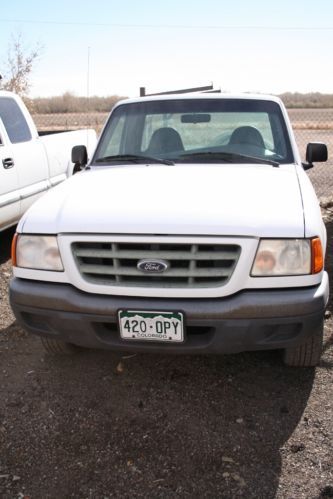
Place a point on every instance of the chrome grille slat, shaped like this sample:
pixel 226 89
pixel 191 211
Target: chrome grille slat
pixel 103 269
pixel 168 255
pixel 190 265
pixel 193 263
pixel 116 261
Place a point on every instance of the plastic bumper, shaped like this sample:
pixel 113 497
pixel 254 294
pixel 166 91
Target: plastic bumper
pixel 250 320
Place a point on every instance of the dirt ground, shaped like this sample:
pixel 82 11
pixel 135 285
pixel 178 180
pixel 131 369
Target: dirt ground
pixel 101 426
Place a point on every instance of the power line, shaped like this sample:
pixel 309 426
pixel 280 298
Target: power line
pixel 171 26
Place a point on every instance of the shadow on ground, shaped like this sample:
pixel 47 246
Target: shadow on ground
pixel 152 425
pixel 5 244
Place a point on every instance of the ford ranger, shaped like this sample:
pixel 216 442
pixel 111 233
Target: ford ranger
pixel 193 229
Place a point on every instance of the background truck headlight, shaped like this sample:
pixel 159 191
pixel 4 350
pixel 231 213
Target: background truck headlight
pixel 284 257
pixel 36 252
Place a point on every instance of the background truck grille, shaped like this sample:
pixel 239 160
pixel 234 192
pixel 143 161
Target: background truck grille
pixel 190 265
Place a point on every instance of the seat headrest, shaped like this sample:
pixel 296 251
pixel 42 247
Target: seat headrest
pixel 165 139
pixel 247 135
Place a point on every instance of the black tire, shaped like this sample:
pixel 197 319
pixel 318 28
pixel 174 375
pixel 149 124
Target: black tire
pixel 308 353
pixel 58 347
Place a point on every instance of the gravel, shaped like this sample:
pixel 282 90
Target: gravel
pixel 100 425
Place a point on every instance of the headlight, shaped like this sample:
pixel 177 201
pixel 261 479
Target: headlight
pixel 284 257
pixel 36 252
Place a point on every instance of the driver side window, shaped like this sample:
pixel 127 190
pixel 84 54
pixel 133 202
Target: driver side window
pixel 14 121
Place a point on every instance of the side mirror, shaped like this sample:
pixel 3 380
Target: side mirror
pixel 79 158
pixel 316 152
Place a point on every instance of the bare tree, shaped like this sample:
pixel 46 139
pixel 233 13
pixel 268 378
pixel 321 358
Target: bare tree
pixel 18 66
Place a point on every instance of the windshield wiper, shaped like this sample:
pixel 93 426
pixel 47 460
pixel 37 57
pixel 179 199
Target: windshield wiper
pixel 132 158
pixel 228 157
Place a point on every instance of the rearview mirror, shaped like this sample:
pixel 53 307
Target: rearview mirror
pixel 196 118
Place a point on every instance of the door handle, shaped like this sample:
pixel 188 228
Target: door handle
pixel 8 163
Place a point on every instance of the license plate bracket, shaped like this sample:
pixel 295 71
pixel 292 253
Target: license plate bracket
pixel 143 325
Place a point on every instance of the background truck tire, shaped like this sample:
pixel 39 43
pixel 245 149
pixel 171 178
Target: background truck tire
pixel 306 354
pixel 58 347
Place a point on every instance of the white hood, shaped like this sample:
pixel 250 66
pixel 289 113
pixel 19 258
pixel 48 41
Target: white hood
pixel 231 200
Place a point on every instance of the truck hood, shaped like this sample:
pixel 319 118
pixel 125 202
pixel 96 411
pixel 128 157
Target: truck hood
pixel 236 200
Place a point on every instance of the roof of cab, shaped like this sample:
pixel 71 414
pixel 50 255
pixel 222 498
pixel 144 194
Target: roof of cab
pixel 197 95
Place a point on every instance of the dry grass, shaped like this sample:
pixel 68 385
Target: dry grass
pixel 70 121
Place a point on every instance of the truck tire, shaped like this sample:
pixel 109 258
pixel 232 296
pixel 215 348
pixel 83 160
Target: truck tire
pixel 308 353
pixel 58 347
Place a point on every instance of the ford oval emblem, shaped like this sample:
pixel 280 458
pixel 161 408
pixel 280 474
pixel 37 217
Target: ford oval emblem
pixel 153 266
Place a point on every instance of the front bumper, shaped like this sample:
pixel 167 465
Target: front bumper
pixel 250 320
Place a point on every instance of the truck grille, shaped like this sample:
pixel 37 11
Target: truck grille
pixel 189 265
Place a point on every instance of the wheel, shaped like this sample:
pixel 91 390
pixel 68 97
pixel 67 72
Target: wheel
pixel 58 347
pixel 308 353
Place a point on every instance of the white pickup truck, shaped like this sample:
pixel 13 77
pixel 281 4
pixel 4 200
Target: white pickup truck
pixel 30 164
pixel 193 229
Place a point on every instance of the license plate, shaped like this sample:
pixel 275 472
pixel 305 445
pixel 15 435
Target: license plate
pixel 151 326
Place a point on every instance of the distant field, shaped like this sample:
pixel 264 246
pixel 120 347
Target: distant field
pixel 315 125
pixel 311 118
pixel 310 125
pixel 70 121
pixel 302 119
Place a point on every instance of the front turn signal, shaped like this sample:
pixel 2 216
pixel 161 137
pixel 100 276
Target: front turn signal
pixel 13 249
pixel 317 257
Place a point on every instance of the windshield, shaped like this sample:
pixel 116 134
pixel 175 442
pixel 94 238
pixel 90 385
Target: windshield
pixel 196 131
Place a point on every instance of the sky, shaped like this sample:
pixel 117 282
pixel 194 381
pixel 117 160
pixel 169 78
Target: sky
pixel 108 47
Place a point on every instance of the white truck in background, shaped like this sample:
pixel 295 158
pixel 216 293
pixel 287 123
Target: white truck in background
pixel 31 164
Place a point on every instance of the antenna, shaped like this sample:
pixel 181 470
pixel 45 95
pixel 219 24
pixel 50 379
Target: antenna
pixel 88 73
pixel 88 92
